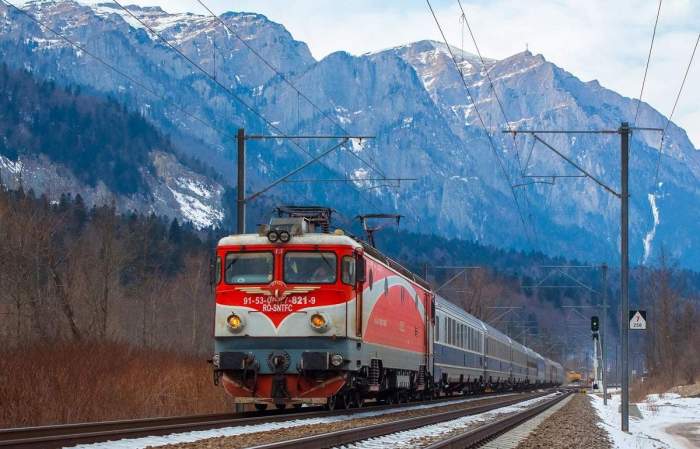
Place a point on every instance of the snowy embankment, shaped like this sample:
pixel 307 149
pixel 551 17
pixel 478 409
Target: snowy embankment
pixel 410 439
pixel 186 437
pixel 668 421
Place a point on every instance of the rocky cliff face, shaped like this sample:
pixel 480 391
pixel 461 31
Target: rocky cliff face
pixel 412 99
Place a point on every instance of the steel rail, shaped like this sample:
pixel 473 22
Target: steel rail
pixel 54 436
pixel 480 435
pixel 348 436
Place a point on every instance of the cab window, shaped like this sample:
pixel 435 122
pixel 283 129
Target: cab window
pixel 217 274
pixel 249 268
pixel 310 267
pixel 347 270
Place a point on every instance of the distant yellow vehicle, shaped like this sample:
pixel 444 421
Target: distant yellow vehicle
pixel 573 376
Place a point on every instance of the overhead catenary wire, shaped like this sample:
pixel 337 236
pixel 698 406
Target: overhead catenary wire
pixel 673 110
pixel 238 98
pixel 483 64
pixel 465 21
pixel 209 75
pixel 272 67
pixel 483 124
pixel 646 68
pixel 227 135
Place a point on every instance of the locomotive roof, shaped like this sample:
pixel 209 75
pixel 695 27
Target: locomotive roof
pixel 306 239
pixel 458 311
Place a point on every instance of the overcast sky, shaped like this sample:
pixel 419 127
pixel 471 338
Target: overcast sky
pixel 593 39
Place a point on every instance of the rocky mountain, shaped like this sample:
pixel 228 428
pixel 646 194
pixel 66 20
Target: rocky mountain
pixel 412 99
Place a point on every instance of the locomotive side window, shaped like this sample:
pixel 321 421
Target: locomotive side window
pixel 347 271
pixel 310 267
pixel 249 268
pixel 217 274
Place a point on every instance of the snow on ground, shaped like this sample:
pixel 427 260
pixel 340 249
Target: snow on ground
pixel 406 439
pixel 652 233
pixel 652 431
pixel 186 437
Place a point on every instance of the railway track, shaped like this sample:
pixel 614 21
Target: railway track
pixel 71 434
pixel 462 441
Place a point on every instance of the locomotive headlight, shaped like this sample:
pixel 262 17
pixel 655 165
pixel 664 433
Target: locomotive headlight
pixel 285 236
pixel 337 359
pixel 235 322
pixel 318 322
pixel 273 236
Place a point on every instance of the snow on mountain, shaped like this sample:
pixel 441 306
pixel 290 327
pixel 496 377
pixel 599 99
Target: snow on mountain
pixel 413 100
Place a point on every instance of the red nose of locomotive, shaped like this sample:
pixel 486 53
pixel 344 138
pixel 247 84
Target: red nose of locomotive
pixel 282 322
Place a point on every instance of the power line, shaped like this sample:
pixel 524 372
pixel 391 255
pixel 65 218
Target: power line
pixel 76 45
pixel 483 63
pixel 288 82
pixel 673 110
pixel 646 69
pixel 222 86
pixel 225 134
pixel 207 74
pixel 483 124
pixel 505 117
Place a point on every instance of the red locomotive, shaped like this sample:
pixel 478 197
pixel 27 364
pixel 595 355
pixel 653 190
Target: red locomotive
pixel 308 316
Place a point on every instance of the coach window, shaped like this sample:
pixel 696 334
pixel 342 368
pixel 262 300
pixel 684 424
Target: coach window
pixel 348 270
pixel 437 329
pixel 309 267
pixel 249 268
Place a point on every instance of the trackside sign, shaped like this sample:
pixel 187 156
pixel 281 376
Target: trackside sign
pixel 638 319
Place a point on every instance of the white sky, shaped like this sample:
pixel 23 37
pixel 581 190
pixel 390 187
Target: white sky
pixel 593 39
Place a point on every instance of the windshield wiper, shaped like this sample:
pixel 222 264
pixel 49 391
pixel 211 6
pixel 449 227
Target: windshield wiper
pixel 326 260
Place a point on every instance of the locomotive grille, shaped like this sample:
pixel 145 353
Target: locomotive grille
pixel 314 361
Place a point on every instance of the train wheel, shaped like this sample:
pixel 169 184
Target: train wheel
pixel 345 400
pixel 261 407
pixel 395 397
pixel 359 400
pixel 298 406
pixel 281 406
pixel 331 402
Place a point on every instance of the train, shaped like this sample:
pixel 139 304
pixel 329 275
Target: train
pixel 309 316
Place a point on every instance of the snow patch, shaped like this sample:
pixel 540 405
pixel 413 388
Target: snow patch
pixel 196 211
pixel 13 167
pixel 659 412
pixel 196 187
pixel 649 237
pixel 358 176
pixel 358 145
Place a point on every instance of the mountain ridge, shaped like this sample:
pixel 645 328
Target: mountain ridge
pixel 412 99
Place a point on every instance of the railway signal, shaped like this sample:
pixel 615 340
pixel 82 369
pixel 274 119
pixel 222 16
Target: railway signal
pixel 595 324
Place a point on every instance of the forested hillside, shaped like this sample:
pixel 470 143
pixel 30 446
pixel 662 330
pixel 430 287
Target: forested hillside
pixel 61 140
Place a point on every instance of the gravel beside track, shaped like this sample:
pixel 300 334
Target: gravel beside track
pixel 574 426
pixel 289 433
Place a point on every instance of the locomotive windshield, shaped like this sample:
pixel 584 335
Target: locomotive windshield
pixel 309 267
pixel 249 268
